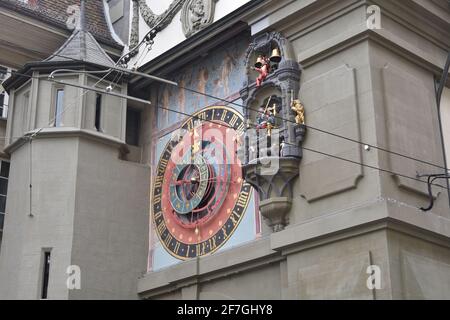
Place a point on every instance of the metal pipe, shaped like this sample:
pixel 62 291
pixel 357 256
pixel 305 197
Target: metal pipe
pixel 101 91
pixel 443 81
pixel 439 92
pixel 137 73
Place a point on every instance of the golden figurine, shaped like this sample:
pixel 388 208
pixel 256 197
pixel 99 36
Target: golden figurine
pixel 249 123
pixel 196 147
pixel 269 129
pixel 299 109
pixel 196 141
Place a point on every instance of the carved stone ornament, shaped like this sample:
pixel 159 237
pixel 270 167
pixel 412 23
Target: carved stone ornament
pixel 196 15
pixel 275 191
pixel 162 20
pixel 271 155
pixel 134 38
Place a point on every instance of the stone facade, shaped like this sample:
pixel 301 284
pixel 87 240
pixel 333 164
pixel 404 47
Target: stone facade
pixel 367 82
pixel 369 85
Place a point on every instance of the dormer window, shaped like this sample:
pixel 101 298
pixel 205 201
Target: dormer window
pixel 98 112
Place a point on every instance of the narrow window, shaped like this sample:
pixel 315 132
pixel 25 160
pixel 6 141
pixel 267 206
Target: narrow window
pixel 2 208
pixel 26 103
pixel 98 112
pixel 2 220
pixel 3 72
pixel 4 175
pixel 2 103
pixel 133 126
pixel 45 274
pixel 4 171
pixel 59 107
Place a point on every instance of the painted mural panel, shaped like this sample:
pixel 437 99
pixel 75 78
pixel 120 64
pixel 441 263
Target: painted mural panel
pixel 219 74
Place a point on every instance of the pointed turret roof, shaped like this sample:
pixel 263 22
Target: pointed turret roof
pixel 82 46
pixel 81 49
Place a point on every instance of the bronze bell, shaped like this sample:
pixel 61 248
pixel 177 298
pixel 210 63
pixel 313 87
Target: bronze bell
pixel 259 62
pixel 276 56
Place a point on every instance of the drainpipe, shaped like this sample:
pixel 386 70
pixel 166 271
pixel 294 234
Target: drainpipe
pixel 439 92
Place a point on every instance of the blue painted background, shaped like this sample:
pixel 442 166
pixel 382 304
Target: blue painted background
pixel 221 73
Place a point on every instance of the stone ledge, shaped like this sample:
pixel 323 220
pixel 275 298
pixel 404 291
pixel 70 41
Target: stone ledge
pixel 330 224
pixel 378 214
pixel 232 261
pixel 64 132
pixel 375 215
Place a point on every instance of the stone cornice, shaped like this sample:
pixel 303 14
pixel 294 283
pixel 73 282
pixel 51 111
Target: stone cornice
pixel 239 259
pixel 200 42
pixel 373 216
pixel 67 132
pixel 425 18
pixel 421 17
pixel 306 17
pixel 428 26
pixel 431 62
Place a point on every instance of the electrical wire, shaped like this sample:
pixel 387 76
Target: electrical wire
pixel 129 55
pixel 304 148
pixel 306 126
pixel 308 149
pixel 287 120
pixel 322 131
pixel 371 167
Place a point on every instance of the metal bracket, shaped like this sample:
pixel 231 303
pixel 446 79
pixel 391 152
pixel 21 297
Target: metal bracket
pixel 430 180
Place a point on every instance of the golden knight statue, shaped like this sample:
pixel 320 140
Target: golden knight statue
pixel 299 109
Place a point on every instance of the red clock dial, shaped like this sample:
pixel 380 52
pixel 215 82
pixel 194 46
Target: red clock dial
pixel 199 195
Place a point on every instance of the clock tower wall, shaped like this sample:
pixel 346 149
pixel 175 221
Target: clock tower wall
pixel 353 208
pixel 110 226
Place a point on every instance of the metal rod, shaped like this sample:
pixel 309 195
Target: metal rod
pixel 439 92
pixel 430 180
pixel 443 81
pixel 31 178
pixel 102 91
pixel 136 73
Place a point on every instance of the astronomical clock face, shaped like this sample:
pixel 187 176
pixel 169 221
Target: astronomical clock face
pixel 199 195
